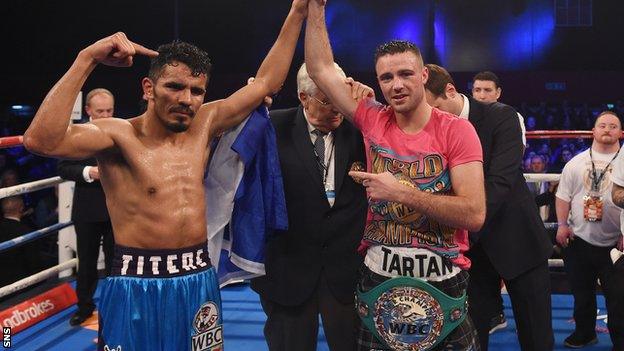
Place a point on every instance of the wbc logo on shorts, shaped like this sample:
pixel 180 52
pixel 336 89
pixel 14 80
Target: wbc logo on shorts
pixel 206 317
pixel 209 333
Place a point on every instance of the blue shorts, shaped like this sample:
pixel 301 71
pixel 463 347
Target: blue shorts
pixel 161 300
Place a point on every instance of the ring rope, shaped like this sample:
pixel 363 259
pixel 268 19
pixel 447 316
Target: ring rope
pixel 37 277
pixel 560 134
pixel 29 187
pixel 555 262
pixel 546 177
pixel 11 141
pixel 542 177
pixel 37 234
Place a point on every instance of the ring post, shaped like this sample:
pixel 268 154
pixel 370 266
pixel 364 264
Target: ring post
pixel 67 236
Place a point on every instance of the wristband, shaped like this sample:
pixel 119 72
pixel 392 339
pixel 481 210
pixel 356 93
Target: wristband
pixel 86 176
pixel 562 224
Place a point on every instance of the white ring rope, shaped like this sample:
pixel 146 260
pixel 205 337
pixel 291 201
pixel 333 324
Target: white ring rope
pixel 49 182
pixel 37 234
pixel 29 187
pixel 541 177
pixel 555 262
pixel 37 277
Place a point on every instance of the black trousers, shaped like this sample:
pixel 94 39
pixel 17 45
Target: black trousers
pixel 88 238
pixel 530 300
pixel 584 263
pixel 290 328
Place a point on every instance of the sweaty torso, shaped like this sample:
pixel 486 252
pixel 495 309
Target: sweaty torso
pixel 154 187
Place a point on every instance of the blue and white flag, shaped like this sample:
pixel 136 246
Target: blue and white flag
pixel 244 198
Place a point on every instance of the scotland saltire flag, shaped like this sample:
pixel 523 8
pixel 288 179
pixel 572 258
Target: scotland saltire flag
pixel 244 198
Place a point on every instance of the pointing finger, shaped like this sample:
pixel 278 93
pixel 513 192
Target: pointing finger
pixel 123 45
pixel 142 50
pixel 361 175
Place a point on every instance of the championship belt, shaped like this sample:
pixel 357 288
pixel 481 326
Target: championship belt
pixel 409 313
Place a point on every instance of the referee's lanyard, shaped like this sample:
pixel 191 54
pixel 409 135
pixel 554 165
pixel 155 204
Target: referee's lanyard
pixel 330 193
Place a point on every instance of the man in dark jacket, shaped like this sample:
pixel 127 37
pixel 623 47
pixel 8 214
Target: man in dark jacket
pixel 89 213
pixel 311 268
pixel 512 244
pixel 17 262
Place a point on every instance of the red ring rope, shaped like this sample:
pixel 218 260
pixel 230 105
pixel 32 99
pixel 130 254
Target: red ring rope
pixel 11 141
pixel 534 134
pixel 560 134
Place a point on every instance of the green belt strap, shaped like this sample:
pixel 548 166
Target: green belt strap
pixel 409 313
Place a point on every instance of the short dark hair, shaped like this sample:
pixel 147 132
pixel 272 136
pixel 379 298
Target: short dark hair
pixel 607 112
pixel 11 205
pixel 438 79
pixel 487 75
pixel 396 47
pixel 180 52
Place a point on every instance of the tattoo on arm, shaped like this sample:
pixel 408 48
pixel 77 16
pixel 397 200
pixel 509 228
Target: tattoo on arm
pixel 617 195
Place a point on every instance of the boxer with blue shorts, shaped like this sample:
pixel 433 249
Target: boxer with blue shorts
pixel 161 300
pixel 163 293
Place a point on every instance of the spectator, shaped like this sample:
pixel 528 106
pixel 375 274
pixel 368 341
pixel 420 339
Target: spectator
pixel 22 260
pixel 9 177
pixel 531 123
pixel 589 227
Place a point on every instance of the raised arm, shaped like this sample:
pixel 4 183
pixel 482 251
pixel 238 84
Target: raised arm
pixel 50 132
pixel 320 61
pixel 464 209
pixel 230 112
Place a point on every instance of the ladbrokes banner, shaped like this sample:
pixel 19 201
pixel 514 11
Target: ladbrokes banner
pixel 38 308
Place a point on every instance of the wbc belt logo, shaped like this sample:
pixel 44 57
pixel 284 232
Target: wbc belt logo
pixel 408 318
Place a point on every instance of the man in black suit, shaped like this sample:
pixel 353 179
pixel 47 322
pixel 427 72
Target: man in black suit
pixel 89 213
pixel 512 244
pixel 486 88
pixel 18 262
pixel 311 268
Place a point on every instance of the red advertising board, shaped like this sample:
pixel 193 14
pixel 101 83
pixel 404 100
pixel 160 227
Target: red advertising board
pixel 38 308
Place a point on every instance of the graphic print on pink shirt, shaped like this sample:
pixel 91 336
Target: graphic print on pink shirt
pixel 395 224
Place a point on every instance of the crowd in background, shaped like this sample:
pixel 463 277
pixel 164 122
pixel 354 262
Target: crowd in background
pixel 555 153
pixel 27 212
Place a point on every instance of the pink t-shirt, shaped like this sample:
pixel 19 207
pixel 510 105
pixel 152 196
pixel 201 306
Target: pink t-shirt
pixel 424 160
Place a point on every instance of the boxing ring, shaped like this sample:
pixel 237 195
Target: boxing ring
pixel 243 315
pixel 63 266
